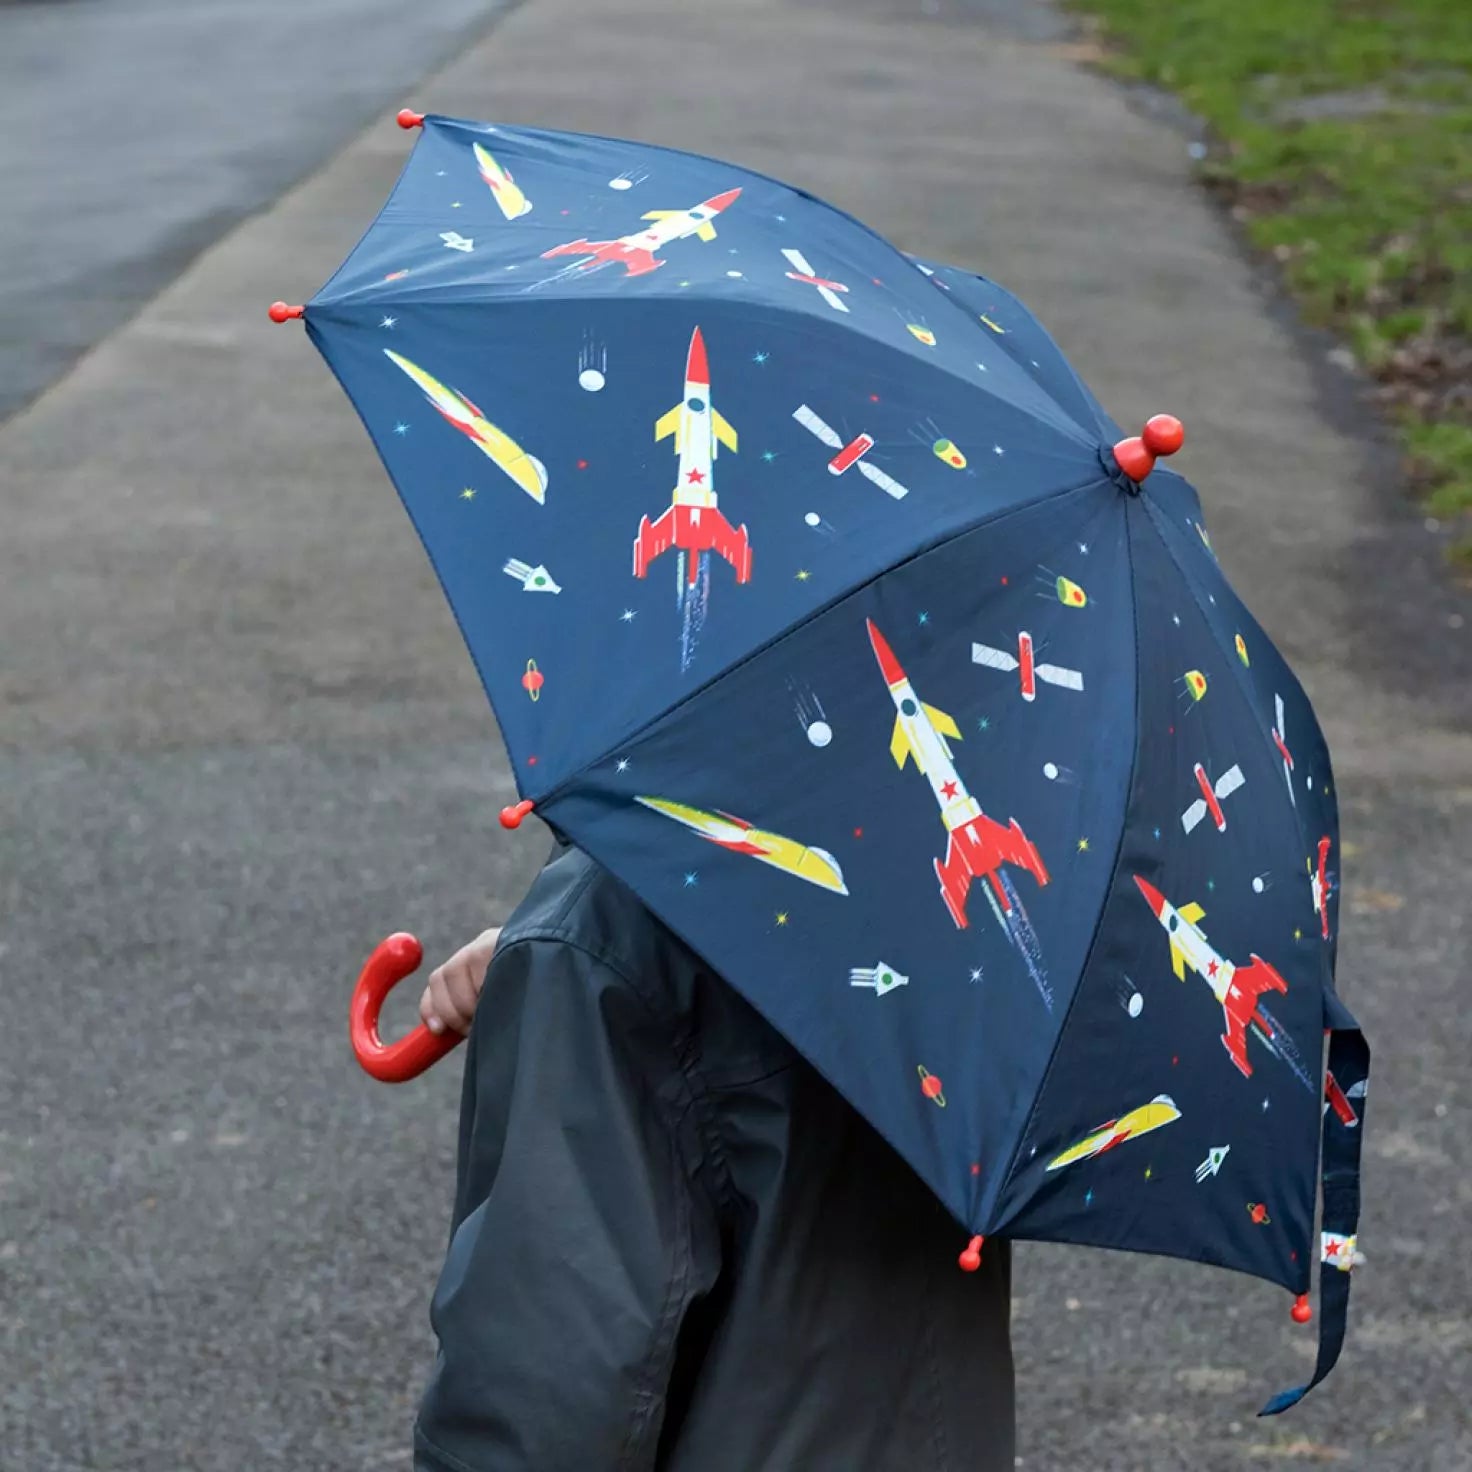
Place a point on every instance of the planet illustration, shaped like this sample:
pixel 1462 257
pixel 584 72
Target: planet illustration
pixel 931 1087
pixel 533 680
pixel 1259 1214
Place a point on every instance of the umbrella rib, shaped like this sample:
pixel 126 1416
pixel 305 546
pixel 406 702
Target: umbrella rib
pixel 1042 1087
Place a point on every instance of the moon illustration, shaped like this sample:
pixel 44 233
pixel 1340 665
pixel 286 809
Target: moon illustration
pixel 812 518
pixel 820 733
pixel 1136 1005
pixel 591 379
pixel 620 183
pixel 1050 770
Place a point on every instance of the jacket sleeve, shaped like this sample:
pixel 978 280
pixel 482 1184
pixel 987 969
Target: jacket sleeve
pixel 581 1234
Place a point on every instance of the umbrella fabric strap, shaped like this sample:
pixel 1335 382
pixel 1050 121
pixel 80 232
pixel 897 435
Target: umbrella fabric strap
pixel 1349 1062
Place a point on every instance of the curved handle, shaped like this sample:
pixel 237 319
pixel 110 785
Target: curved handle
pixel 392 1063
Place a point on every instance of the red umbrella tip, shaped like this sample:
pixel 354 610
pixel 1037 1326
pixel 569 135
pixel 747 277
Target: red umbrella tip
pixel 280 312
pixel 1302 1313
pixel 511 816
pixel 970 1260
pixel 408 118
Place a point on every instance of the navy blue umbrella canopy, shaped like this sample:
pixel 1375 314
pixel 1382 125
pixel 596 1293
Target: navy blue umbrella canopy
pixel 820 601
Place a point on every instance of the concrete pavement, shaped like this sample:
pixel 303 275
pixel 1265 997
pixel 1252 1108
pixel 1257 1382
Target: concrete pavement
pixel 139 131
pixel 240 739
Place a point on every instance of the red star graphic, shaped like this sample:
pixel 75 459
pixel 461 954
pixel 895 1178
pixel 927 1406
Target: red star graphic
pixel 531 761
pixel 695 477
pixel 1004 582
pixel 858 832
pixel 582 464
pixel 1211 968
pixel 873 398
pixel 949 790
pixel 1331 1249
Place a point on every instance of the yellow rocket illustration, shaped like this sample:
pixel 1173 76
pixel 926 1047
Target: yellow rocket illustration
pixel 1159 1111
pixel 503 187
pixel 526 470
pixel 813 864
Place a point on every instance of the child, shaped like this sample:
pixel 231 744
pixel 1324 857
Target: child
pixel 675 1247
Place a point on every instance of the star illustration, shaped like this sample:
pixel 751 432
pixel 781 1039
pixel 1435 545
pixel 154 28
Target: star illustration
pixel 998 450
pixel 780 219
pixel 761 357
pixel 1083 547
pixel 388 321
pixel 769 456
pixel 683 283
pixel 695 477
pixel 621 765
pixel 439 173
pixel 984 724
pixel 1089 1197
pixel 949 790
pixel 1157 833
pixel 1083 845
pixel 983 367
pixel 858 832
pixel 1175 618
pixel 1265 1106
pixel 924 619
pixel 781 917
pixel 468 494
pixel 692 879
pixel 455 205
pixel 803 574
pixel 627 616
pixel 1210 885
pixel 1149 1171
pixel 1297 934
pixel 401 428
pixel 976 973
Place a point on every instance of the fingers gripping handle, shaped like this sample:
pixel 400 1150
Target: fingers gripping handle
pixel 392 1063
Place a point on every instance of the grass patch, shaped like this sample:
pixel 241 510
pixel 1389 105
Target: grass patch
pixel 1342 138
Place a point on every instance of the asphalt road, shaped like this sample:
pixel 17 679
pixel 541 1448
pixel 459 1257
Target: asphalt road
pixel 240 740
pixel 135 132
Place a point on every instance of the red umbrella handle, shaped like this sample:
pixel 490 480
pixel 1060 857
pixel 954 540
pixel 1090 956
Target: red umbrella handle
pixel 392 1063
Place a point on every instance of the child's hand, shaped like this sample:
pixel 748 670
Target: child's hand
pixel 454 988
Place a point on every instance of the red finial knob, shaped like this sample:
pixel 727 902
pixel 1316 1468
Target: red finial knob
pixel 970 1260
pixel 511 816
pixel 1162 435
pixel 408 118
pixel 280 312
pixel 1302 1313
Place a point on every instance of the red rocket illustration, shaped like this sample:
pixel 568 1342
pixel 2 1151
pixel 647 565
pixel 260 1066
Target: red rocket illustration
pixel 978 846
pixel 637 251
pixel 692 522
pixel 1237 988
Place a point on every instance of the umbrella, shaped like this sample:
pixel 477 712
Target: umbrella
pixel 820 601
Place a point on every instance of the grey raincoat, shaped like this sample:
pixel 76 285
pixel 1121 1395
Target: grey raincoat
pixel 675 1247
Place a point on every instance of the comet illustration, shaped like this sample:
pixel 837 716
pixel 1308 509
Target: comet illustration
pixel 525 470
pixel 813 864
pixel 1161 1110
